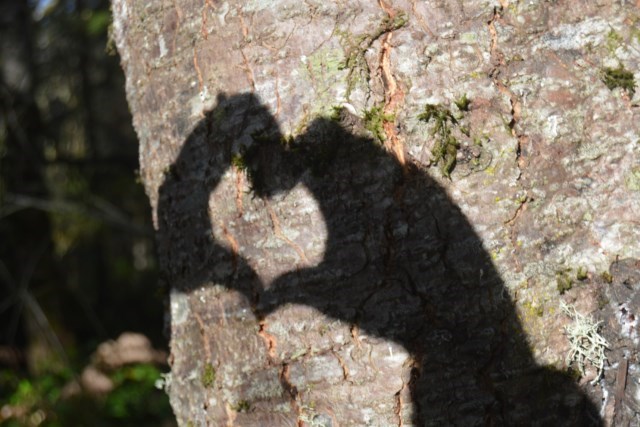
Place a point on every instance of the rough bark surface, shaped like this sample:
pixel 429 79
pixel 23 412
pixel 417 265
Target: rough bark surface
pixel 326 270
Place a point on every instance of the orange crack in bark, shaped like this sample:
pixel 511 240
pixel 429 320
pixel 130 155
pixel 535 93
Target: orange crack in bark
pixel 239 185
pixel 292 390
pixel 516 113
pixel 198 71
pixel 231 414
pixel 248 71
pixel 246 67
pixel 278 101
pixel 234 246
pixel 207 353
pixel 519 210
pixel 400 404
pixel 355 334
pixel 345 370
pixel 394 95
pixel 179 13
pixel 269 340
pixel 420 19
pixel 280 235
pixel 205 342
pixel 203 28
pixel 493 34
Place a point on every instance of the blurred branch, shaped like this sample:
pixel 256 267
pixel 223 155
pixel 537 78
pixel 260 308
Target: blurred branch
pixel 102 210
pixel 22 297
pixel 124 161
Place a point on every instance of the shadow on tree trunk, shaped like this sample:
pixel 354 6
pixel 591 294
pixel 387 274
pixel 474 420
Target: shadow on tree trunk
pixel 401 262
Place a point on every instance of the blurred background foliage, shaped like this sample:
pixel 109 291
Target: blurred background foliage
pixel 77 263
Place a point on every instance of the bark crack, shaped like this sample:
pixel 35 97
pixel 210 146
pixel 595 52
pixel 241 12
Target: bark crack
pixel 198 71
pixel 400 404
pixel 498 61
pixel 234 246
pixel 269 340
pixel 231 414
pixel 420 19
pixel 394 95
pixel 207 359
pixel 239 186
pixel 280 235
pixel 292 390
pixel 205 8
pixel 246 67
pixel 345 369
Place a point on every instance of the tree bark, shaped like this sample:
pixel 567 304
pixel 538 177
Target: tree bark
pixel 368 213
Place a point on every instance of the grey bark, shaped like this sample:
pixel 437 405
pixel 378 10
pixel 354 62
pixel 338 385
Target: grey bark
pixel 324 270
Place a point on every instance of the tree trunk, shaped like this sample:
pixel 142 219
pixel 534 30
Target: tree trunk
pixel 369 213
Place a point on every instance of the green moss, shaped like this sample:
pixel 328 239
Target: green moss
pixel 552 373
pixel 208 377
pixel 614 40
pixel 374 120
pixel 619 78
pixel 463 103
pixel 287 141
pixel 336 113
pixel 241 406
pixel 603 301
pixel 218 116
pixel 607 277
pixel 398 21
pixel 582 274
pixel 532 309
pixel 238 160
pixel 515 58
pixel 446 146
pixel 635 30
pixel 563 282
pixel 171 172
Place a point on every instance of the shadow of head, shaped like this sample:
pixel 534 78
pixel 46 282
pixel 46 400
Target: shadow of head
pixel 401 263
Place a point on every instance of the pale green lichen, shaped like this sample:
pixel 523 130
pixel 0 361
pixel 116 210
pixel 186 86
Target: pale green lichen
pixel 587 345
pixel 532 310
pixel 324 69
pixel 632 180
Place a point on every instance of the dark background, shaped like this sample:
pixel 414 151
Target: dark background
pixel 77 256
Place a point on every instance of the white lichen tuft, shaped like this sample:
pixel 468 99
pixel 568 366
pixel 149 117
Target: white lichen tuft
pixel 587 345
pixel 164 382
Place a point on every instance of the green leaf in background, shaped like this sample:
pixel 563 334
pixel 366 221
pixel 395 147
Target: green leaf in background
pixel 97 22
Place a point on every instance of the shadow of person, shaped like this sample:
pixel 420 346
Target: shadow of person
pixel 188 252
pixel 401 263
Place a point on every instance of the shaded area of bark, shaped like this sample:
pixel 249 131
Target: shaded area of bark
pixel 401 263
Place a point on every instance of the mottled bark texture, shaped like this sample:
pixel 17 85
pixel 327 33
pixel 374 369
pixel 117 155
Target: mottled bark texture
pixel 369 212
